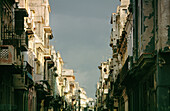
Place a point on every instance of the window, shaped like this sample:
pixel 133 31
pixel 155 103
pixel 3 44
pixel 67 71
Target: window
pixel 125 11
pixel 105 70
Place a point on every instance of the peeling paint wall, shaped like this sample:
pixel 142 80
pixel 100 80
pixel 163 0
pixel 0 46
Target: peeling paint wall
pixel 146 27
pixel 0 21
pixel 149 85
pixel 164 25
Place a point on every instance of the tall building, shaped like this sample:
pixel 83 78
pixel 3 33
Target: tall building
pixel 27 61
pixel 16 74
pixel 103 86
pixel 138 70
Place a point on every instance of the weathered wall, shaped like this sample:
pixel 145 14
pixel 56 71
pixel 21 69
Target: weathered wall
pixel 163 83
pixel 0 21
pixel 146 29
pixel 164 25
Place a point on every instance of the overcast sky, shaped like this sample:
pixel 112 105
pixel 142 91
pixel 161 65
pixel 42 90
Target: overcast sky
pixel 81 30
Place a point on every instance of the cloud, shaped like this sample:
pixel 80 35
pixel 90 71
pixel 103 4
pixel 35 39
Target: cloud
pixel 82 42
pixel 72 31
pixel 81 32
pixel 92 8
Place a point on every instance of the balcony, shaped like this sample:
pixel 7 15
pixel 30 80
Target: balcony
pixel 47 54
pixel 106 91
pixel 43 88
pixel 29 31
pixel 23 79
pixel 7 55
pixel 9 37
pixel 66 91
pixel 144 64
pixel 19 81
pixel 50 64
pixel 47 29
pixel 29 22
pixel 106 76
pixel 73 97
pixel 20 13
pixel 24 42
pixel 30 26
pixel 7 34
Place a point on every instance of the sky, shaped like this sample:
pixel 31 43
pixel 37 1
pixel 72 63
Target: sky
pixel 81 30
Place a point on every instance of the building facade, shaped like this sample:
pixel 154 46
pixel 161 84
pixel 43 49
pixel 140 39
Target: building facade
pixel 27 61
pixel 16 74
pixel 138 72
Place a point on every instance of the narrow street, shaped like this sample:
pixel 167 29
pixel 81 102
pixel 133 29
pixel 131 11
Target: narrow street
pixel 71 55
